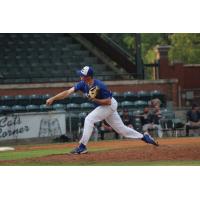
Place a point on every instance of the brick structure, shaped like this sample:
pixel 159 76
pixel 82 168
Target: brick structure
pixel 188 77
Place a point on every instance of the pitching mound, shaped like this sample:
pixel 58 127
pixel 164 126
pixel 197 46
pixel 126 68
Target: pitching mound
pixel 111 153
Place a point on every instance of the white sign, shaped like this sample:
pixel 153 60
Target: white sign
pixel 32 125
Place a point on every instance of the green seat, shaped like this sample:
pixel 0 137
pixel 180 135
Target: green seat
pixel 140 104
pixel 157 94
pixel 33 108
pixel 137 113
pixel 22 100
pixel 18 108
pixel 36 99
pixel 82 115
pixel 59 106
pixel 118 96
pixel 73 107
pixel 137 124
pixel 72 121
pixel 144 95
pixel 45 108
pixel 87 106
pixel 5 109
pixel 127 104
pixel 77 98
pixel 44 97
pixel 178 123
pixel 7 100
pixel 167 114
pixel 130 96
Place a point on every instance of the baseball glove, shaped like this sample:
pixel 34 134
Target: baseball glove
pixel 93 92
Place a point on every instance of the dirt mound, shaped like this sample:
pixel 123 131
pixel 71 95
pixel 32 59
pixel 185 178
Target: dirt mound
pixel 179 149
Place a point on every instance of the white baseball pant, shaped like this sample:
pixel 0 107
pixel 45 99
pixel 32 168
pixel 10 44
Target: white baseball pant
pixel 110 114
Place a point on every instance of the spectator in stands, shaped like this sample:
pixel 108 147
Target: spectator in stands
pixel 105 127
pixel 155 102
pixel 151 120
pixel 193 119
pixel 145 120
pixel 127 119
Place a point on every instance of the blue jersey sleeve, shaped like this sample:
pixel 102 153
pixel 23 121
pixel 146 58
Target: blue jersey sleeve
pixel 79 86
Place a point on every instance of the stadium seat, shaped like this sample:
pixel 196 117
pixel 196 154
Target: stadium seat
pixel 155 94
pixel 167 121
pixel 159 95
pixel 140 104
pixel 130 96
pixel 77 98
pixel 18 108
pixel 144 95
pixel 45 97
pixel 5 110
pixel 32 108
pixel 87 106
pixel 59 106
pixel 82 115
pixel 33 51
pixel 127 104
pixel 45 108
pixel 72 121
pixel 22 100
pixel 119 105
pixel 7 100
pixel 73 107
pixel 137 124
pixel 137 113
pixel 168 114
pixel 178 126
pixel 36 99
pixel 118 96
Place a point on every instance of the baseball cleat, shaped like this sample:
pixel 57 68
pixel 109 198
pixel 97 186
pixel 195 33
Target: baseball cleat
pixel 81 149
pixel 148 139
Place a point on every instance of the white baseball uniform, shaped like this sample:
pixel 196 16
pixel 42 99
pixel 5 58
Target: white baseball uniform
pixel 104 112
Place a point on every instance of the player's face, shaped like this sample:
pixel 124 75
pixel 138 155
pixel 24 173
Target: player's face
pixel 86 79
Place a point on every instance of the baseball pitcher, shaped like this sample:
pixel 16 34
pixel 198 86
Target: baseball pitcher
pixel 106 109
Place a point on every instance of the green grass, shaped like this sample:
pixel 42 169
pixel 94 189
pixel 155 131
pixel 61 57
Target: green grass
pixel 17 155
pixel 12 155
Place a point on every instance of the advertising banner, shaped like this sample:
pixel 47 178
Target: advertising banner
pixel 32 125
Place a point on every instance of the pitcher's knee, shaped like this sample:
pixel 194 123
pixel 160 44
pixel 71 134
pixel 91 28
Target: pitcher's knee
pixel 89 120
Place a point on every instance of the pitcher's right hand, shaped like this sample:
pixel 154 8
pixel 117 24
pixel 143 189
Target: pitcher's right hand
pixel 49 101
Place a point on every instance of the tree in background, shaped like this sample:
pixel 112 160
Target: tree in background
pixel 185 47
pixel 150 41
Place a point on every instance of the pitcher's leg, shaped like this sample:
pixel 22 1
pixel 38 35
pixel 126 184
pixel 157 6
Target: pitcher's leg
pixel 98 114
pixel 116 123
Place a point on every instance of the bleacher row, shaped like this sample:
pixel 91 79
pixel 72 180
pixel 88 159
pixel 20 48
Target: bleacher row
pixel 43 58
pixel 76 102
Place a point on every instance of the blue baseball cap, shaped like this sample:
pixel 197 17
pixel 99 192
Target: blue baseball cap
pixel 86 71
